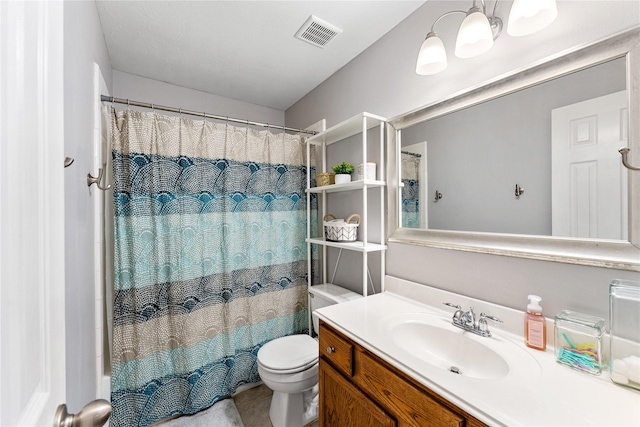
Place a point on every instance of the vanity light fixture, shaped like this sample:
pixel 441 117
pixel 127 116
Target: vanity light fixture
pixel 478 31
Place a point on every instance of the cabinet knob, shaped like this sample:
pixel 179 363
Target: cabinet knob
pixel 330 350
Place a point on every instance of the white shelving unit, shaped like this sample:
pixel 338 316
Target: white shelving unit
pixel 359 124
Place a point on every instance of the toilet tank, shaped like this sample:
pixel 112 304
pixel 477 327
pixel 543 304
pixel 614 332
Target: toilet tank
pixel 328 294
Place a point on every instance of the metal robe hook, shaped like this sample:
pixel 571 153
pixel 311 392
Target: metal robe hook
pixel 97 180
pixel 519 191
pixel 438 196
pixel 624 152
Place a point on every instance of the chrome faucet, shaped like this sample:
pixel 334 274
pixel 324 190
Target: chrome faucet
pixel 467 320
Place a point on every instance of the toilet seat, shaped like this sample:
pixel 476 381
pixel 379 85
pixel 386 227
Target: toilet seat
pixel 288 355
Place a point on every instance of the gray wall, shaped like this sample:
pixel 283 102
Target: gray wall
pixel 382 81
pixel 142 89
pixel 343 204
pixel 83 45
pixel 477 155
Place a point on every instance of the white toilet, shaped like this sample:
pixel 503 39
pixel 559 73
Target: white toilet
pixel 289 365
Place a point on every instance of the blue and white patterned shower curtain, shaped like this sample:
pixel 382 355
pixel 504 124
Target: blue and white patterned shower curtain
pixel 210 259
pixel 410 167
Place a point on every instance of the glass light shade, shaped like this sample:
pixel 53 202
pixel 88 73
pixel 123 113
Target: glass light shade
pixel 528 16
pixel 432 57
pixel 475 36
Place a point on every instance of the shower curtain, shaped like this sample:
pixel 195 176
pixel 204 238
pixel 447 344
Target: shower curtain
pixel 410 168
pixel 210 259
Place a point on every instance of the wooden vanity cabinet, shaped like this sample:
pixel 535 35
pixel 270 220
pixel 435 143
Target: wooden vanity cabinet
pixel 359 389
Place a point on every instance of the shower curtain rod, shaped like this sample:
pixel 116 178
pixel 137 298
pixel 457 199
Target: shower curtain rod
pixel 105 98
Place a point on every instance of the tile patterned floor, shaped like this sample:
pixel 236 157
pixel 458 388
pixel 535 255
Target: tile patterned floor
pixel 253 406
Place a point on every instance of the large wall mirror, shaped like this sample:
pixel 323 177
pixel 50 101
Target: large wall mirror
pixel 528 166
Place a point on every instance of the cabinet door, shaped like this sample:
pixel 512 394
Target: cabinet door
pixel 411 405
pixel 342 404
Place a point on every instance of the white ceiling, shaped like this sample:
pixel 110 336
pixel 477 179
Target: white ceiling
pixel 243 50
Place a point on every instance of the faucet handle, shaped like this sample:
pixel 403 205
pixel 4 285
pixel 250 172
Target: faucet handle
pixel 458 314
pixel 495 319
pixel 483 327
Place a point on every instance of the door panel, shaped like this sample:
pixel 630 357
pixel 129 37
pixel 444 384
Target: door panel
pixel 589 185
pixel 32 366
pixel 342 404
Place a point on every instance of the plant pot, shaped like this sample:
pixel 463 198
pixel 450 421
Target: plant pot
pixel 343 178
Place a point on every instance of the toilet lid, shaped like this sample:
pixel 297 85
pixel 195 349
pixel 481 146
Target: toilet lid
pixel 287 353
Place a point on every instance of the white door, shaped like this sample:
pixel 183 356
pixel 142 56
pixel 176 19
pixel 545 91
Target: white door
pixel 589 185
pixel 32 334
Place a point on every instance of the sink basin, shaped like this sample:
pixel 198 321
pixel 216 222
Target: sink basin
pixel 433 339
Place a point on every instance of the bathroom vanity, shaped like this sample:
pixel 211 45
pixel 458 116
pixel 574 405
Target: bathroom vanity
pixel 386 360
pixel 352 380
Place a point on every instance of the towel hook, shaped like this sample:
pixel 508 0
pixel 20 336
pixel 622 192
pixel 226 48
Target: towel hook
pixel 519 191
pixel 438 196
pixel 624 152
pixel 97 180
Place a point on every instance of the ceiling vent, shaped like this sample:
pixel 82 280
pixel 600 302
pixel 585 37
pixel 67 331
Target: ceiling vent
pixel 317 32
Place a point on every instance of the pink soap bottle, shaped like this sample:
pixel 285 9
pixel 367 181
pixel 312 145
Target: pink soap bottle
pixel 535 325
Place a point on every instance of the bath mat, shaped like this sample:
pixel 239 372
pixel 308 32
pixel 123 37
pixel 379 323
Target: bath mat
pixel 222 414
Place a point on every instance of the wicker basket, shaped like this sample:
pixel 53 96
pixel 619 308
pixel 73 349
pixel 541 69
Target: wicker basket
pixel 325 178
pixel 340 230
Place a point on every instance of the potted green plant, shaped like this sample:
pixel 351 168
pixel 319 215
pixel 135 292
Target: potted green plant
pixel 343 172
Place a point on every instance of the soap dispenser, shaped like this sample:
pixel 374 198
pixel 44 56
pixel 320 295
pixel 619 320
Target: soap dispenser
pixel 535 325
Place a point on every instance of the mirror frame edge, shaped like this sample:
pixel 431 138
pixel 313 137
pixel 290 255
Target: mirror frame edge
pixel 589 252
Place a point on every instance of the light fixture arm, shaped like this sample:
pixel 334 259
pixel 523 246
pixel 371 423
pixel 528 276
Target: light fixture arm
pixel 484 8
pixel 442 16
pixel 494 21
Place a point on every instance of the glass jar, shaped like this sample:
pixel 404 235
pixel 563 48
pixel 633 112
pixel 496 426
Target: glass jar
pixel 624 324
pixel 578 341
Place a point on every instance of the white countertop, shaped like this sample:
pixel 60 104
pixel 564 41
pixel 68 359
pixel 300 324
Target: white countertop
pixel 551 395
